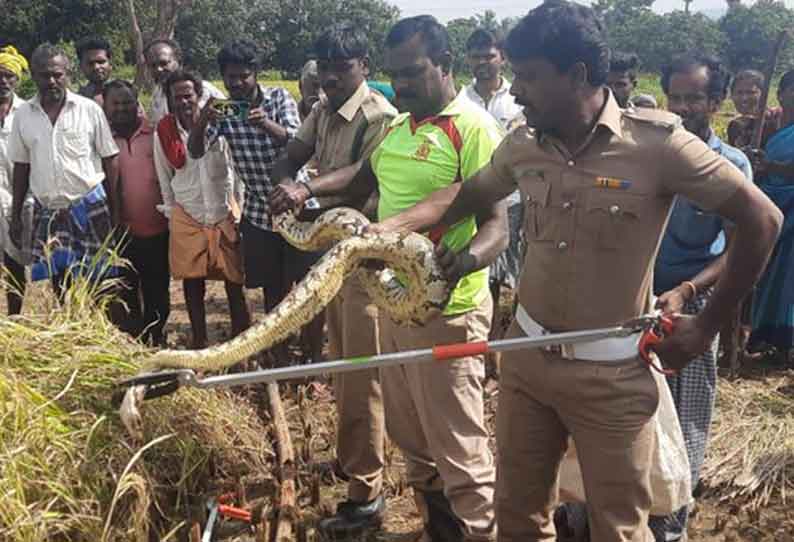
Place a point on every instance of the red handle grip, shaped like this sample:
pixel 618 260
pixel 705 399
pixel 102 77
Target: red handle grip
pixel 460 350
pixel 234 513
pixel 650 338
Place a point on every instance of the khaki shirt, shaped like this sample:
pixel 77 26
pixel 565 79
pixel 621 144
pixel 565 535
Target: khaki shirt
pixel 595 217
pixel 361 122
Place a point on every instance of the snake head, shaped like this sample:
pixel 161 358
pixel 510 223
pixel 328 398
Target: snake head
pixel 130 413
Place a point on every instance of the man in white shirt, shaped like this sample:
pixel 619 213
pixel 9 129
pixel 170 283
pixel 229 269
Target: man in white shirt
pixel 12 65
pixel 64 153
pixel 164 57
pixel 199 198
pixel 489 89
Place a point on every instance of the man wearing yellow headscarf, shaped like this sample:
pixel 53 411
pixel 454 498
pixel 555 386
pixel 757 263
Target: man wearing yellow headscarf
pixel 12 66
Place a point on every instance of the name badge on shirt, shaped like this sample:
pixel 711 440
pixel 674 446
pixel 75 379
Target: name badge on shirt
pixel 612 183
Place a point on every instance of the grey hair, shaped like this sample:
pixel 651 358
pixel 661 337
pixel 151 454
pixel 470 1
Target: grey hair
pixel 46 52
pixel 309 70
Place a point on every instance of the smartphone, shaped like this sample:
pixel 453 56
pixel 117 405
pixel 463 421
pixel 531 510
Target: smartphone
pixel 231 109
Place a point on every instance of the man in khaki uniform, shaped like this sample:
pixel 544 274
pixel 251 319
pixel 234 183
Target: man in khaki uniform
pixel 599 182
pixel 338 132
pixel 435 412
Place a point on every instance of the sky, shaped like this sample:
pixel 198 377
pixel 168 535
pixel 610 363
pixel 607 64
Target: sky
pixel 444 10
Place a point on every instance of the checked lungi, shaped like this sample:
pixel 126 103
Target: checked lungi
pixel 694 389
pixel 71 239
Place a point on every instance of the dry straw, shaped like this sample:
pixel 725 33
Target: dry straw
pixel 751 452
pixel 68 470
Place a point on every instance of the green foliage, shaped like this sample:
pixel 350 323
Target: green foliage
pixel 751 33
pixel 286 29
pixel 299 22
pixel 27 23
pixel 460 29
pixel 203 29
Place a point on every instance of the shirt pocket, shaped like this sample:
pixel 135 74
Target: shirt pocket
pixel 613 220
pixel 75 144
pixel 538 220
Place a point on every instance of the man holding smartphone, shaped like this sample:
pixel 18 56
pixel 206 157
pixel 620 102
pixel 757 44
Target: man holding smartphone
pixel 256 143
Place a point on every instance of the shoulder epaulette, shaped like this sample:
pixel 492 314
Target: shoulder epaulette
pixel 375 106
pixel 654 117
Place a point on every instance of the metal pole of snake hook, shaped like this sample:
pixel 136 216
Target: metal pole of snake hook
pixel 187 377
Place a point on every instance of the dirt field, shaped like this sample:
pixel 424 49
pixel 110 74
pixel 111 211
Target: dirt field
pixel 313 431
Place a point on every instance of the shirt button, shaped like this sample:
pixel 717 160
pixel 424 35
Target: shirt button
pixel 614 210
pixel 571 163
pixel 567 205
pixel 562 245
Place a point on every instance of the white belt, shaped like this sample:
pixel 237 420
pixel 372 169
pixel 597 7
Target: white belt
pixel 613 349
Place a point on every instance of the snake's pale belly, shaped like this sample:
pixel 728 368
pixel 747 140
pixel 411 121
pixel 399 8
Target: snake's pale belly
pixel 420 294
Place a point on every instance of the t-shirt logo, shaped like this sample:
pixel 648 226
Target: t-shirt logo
pixel 422 152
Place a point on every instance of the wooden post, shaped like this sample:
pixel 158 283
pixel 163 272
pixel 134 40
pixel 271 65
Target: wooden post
pixel 286 493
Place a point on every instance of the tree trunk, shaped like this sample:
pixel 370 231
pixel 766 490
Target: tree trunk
pixel 164 27
pixel 136 37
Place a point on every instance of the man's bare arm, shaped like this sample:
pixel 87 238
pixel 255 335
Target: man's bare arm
pixel 490 240
pixel 196 144
pixel 757 226
pixel 354 181
pixel 452 204
pixel 298 155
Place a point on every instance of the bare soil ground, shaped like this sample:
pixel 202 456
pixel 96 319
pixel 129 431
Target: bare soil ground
pixel 311 416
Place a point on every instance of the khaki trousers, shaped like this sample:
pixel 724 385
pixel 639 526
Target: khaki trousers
pixel 434 413
pixel 606 408
pixel 353 331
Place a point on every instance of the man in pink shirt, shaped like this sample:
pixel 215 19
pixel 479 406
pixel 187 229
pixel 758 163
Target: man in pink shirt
pixel 138 196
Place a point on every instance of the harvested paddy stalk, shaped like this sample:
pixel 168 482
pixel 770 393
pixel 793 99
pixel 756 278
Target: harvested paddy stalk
pixel 68 469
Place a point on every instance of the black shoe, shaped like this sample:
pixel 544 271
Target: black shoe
pixel 353 519
pixel 570 521
pixel 443 524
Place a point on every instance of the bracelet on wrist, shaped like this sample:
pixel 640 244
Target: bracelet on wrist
pixel 690 286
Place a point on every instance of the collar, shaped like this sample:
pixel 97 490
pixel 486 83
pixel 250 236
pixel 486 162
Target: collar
pixel 71 99
pixel 16 103
pixel 504 87
pixel 610 118
pixel 144 128
pixel 453 109
pixel 353 104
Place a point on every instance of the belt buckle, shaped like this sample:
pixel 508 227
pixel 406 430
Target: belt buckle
pixel 566 351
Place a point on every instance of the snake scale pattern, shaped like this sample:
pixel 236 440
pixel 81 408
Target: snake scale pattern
pixel 420 295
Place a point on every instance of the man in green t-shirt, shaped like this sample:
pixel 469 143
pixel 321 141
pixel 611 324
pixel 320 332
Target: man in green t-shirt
pixel 434 413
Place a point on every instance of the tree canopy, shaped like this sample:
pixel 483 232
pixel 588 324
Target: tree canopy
pixel 286 29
